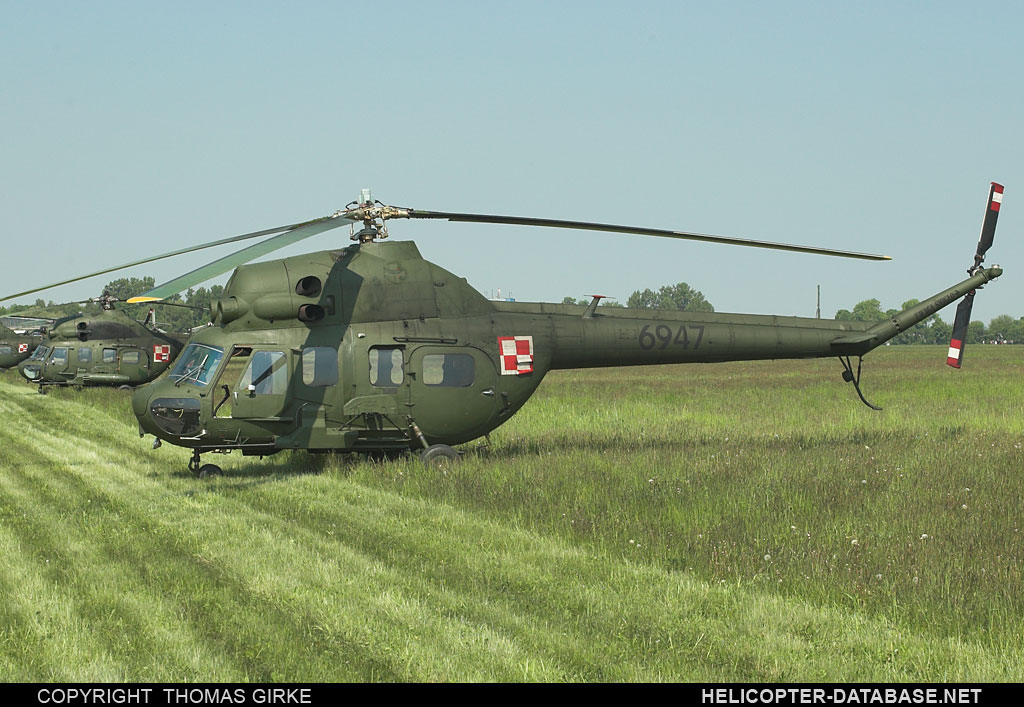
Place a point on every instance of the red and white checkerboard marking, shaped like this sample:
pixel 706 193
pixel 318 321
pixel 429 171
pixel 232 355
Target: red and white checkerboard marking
pixel 22 348
pixel 161 353
pixel 516 354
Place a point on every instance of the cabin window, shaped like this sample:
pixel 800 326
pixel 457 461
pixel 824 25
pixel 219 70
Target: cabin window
pixel 59 357
pixel 453 370
pixel 267 373
pixel 386 366
pixel 84 355
pixel 320 366
pixel 109 355
pixel 130 357
pixel 6 351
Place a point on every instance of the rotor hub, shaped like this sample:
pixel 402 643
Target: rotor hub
pixel 373 214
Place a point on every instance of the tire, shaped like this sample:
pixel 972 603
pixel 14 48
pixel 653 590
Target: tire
pixel 439 455
pixel 208 470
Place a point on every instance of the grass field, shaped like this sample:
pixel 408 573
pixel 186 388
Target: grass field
pixel 747 521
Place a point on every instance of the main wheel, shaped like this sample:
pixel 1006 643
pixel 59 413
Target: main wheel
pixel 439 455
pixel 208 470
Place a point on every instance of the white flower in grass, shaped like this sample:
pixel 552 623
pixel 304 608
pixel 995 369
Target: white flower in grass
pixel 767 557
pixel 925 536
pixel 854 542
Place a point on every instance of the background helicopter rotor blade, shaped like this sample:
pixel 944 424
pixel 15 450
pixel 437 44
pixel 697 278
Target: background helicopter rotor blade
pixel 584 225
pixel 224 241
pixel 229 262
pixel 958 339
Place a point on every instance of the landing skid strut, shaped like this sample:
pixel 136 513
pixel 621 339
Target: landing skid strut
pixel 849 377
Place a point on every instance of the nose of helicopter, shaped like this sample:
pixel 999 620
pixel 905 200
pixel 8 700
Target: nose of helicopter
pixel 31 370
pixel 166 413
pixel 140 401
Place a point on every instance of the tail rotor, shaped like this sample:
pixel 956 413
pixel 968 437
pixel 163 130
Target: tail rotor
pixel 958 342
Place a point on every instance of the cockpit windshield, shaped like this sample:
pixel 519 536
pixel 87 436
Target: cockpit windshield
pixel 40 353
pixel 197 365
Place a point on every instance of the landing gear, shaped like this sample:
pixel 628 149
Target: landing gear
pixel 849 377
pixel 203 471
pixel 439 456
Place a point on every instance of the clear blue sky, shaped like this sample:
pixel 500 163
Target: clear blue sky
pixel 131 128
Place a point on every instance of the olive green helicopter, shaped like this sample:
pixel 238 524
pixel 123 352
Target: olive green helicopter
pixel 371 348
pixel 15 347
pixel 108 348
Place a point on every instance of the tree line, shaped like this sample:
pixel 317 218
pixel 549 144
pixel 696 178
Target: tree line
pixel 679 296
pixel 933 330
pixel 1003 329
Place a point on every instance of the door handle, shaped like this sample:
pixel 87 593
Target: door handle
pixel 489 392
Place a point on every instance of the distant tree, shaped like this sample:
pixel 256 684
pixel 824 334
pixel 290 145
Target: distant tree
pixel 975 332
pixel 680 297
pixel 570 300
pixel 870 310
pixel 1005 327
pixel 939 332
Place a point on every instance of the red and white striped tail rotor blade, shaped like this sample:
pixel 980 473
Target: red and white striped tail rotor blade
pixel 988 226
pixel 958 342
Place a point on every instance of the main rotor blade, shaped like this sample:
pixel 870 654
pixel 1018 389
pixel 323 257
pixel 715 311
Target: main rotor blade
pixel 584 225
pixel 229 262
pixel 182 251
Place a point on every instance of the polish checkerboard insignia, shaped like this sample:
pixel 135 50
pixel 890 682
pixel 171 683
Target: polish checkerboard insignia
pixel 516 354
pixel 161 353
pixel 22 348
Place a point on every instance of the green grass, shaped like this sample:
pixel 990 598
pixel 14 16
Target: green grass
pixel 745 521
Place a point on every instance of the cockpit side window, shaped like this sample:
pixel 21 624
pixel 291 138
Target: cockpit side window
pixel 40 353
pixel 59 357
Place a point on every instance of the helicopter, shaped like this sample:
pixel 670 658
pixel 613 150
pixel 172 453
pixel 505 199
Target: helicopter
pixel 371 348
pixel 109 348
pixel 15 347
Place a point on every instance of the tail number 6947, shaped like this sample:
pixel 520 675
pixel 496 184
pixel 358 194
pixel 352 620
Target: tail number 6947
pixel 662 336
